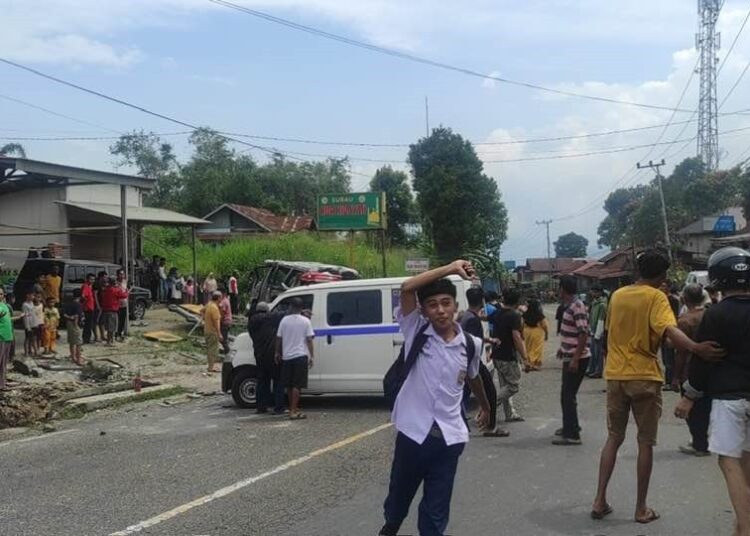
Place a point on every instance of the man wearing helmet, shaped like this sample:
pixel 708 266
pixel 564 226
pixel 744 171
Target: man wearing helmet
pixel 727 381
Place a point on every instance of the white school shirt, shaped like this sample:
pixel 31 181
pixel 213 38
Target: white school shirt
pixel 294 331
pixel 434 388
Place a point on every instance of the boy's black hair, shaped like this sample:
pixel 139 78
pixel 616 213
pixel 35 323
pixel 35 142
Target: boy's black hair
pixel 76 293
pixel 652 264
pixel 491 296
pixel 441 286
pixel 90 274
pixel 475 297
pixel 569 284
pixel 597 288
pixel 100 274
pixel 511 297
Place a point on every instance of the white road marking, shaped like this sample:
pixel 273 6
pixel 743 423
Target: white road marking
pixel 37 438
pixel 223 492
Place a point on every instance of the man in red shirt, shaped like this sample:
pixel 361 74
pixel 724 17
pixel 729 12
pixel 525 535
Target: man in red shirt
pixel 109 300
pixel 88 304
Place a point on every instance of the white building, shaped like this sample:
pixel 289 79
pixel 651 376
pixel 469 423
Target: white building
pixel 80 209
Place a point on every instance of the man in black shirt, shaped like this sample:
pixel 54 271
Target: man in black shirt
pixel 507 325
pixel 727 381
pixel 472 323
pixel 262 326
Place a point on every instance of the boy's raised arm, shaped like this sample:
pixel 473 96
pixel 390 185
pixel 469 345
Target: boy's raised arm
pixel 408 300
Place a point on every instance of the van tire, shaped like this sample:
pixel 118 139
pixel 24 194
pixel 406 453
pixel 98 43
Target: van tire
pixel 245 388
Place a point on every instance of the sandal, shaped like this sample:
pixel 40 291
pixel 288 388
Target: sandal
pixel 297 417
pixel 651 516
pixel 603 513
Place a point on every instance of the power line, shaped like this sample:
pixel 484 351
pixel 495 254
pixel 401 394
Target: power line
pixel 425 61
pixel 58 114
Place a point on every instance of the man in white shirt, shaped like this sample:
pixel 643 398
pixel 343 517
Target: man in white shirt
pixel 427 413
pixel 294 351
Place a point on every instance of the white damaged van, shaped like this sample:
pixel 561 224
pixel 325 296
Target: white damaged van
pixel 356 337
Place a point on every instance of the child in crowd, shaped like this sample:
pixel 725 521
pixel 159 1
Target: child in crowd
pixel 39 316
pixel 51 322
pixel 73 313
pixel 29 325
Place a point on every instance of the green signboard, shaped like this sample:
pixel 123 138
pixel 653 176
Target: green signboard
pixel 351 212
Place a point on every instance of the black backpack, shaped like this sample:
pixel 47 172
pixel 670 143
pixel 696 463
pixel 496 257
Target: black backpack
pixel 396 376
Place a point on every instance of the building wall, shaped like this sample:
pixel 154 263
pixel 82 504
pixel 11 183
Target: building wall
pixel 102 193
pixel 37 210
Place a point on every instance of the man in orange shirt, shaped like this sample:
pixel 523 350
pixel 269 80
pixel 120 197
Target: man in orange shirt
pixel 212 330
pixel 639 318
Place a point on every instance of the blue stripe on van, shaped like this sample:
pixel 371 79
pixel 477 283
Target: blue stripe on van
pixel 367 330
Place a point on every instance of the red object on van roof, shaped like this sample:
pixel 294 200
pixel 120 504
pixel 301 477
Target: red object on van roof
pixel 310 278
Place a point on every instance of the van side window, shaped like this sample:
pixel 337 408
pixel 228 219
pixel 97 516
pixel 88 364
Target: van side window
pixel 76 274
pixel 355 308
pixel 283 305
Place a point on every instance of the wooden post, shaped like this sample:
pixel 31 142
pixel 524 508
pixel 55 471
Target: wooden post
pixel 125 247
pixel 351 249
pixel 195 264
pixel 383 246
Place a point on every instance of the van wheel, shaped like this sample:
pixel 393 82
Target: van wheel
pixel 245 389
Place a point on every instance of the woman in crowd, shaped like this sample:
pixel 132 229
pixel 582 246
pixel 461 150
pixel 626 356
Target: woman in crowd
pixel 535 333
pixel 210 285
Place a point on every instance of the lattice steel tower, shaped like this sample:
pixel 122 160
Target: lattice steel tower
pixel 708 42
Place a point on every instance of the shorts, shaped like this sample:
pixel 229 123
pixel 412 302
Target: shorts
pixel 75 337
pixel 643 398
pixel 729 431
pixel 109 321
pixel 294 372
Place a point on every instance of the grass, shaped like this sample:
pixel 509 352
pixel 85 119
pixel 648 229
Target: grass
pixel 245 254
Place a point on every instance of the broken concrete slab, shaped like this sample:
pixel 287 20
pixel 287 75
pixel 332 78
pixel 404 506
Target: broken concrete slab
pixel 92 403
pixel 162 336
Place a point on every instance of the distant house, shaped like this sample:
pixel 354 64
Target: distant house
pixel 538 270
pixel 696 241
pixel 230 221
pixel 611 271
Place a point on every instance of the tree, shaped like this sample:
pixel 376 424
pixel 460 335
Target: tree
pixel 462 208
pixel 13 148
pixel 154 159
pixel 571 245
pixel 399 201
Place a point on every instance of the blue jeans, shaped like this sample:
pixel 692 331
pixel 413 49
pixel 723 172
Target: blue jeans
pixel 163 290
pixel 596 363
pixel 433 463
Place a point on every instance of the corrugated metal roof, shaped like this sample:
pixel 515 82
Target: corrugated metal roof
pixel 137 214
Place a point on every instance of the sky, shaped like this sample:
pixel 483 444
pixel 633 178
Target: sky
pixel 209 65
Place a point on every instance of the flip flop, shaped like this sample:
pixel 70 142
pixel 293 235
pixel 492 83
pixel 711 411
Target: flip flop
pixel 651 516
pixel 603 513
pixel 297 417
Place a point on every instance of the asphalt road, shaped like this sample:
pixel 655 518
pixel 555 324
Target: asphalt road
pixel 206 469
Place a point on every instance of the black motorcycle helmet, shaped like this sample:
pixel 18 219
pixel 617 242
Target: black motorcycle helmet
pixel 729 269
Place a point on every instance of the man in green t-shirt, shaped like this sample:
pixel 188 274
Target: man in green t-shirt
pixel 597 319
pixel 6 337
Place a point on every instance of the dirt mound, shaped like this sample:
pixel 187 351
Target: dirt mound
pixel 29 404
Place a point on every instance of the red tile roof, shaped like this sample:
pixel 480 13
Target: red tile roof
pixel 273 222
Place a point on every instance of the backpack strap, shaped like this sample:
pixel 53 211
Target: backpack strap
pixel 420 339
pixel 471 349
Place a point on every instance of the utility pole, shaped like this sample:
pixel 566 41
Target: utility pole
pixel 708 42
pixel 659 178
pixel 547 223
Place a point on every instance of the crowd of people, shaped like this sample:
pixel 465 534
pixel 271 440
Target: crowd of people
pixel 632 338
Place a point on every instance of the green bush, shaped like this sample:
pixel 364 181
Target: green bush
pixel 246 253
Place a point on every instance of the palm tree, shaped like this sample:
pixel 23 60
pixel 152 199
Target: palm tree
pixel 13 149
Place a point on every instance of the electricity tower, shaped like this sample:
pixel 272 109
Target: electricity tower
pixel 708 42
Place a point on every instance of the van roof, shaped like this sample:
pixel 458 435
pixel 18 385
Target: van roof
pixel 356 283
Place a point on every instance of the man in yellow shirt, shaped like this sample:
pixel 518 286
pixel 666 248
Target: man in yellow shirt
pixel 638 320
pixel 212 331
pixel 51 284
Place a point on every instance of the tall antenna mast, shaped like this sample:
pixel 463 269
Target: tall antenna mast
pixel 708 42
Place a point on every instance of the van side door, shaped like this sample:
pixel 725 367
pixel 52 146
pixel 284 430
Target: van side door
pixel 356 343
